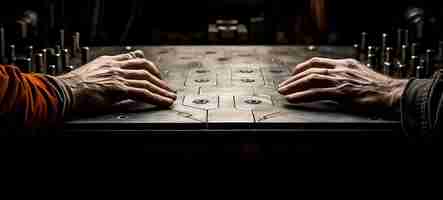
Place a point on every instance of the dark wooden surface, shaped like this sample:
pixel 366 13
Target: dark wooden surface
pixel 227 79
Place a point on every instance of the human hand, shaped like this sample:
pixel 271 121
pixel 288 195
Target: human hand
pixel 345 81
pixel 107 80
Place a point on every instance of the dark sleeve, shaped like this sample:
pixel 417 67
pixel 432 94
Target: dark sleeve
pixel 422 106
pixel 31 100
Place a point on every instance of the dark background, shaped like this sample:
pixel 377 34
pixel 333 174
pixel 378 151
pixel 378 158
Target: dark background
pixel 346 19
pixel 152 20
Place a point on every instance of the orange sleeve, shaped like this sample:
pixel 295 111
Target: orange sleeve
pixel 31 100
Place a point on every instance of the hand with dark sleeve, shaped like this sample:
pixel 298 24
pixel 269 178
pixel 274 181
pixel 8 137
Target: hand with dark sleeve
pixel 34 100
pixel 360 89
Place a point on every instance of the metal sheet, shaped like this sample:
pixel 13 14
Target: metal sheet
pixel 229 71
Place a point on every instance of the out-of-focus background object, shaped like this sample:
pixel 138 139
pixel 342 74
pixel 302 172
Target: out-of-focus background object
pixel 53 32
pixel 218 22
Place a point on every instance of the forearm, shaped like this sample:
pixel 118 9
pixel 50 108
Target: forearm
pixel 31 100
pixel 422 106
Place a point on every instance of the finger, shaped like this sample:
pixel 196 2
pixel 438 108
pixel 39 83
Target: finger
pixel 148 97
pixel 128 56
pixel 308 82
pixel 317 94
pixel 138 54
pixel 314 62
pixel 151 87
pixel 303 74
pixel 141 64
pixel 144 75
pixel 121 57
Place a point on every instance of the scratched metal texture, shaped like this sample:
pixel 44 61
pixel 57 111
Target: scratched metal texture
pixel 224 87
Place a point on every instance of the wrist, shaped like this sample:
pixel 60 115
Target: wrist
pixel 71 84
pixel 397 88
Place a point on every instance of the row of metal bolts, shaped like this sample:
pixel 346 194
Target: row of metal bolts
pixel 405 61
pixel 53 61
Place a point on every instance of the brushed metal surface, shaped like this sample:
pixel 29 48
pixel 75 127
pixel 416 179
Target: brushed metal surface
pixel 222 87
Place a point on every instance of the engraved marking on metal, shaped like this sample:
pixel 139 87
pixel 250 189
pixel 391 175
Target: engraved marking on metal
pixel 200 101
pixel 183 114
pixel 122 117
pixel 202 71
pixel 270 116
pixel 195 64
pixel 223 59
pixel 163 52
pixel 201 80
pixel 253 101
pixel 246 71
pixel 276 71
pixel 247 80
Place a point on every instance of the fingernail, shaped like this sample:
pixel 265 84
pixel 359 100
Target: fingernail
pixel 170 102
pixel 171 95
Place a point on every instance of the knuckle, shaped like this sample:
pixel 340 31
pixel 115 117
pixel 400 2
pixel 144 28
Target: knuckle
pixel 148 62
pixel 147 93
pixel 145 74
pixel 312 71
pixel 312 77
pixel 315 60
pixel 151 65
pixel 350 62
